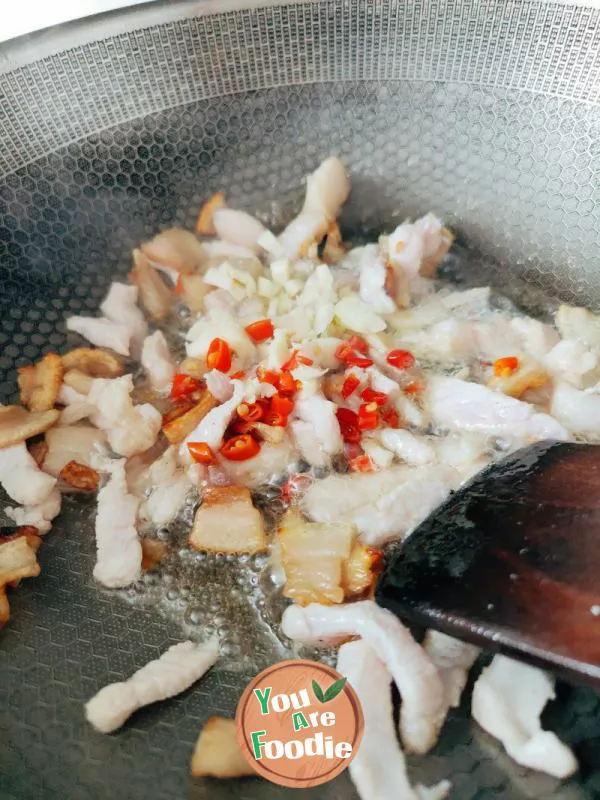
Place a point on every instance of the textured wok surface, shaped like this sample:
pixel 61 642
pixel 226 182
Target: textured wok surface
pixel 488 119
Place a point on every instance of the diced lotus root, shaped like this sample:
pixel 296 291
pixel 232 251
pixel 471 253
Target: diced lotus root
pixel 217 753
pixel 17 424
pixel 227 522
pixel 40 383
pixel 204 224
pixel 80 476
pixel 94 361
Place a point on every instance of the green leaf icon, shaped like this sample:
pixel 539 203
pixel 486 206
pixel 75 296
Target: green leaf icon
pixel 334 689
pixel 318 692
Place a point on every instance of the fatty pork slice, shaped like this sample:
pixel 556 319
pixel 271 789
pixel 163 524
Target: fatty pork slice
pixel 383 505
pixel 120 306
pixel 577 410
pixel 312 556
pixel 40 515
pixel 453 660
pixel 227 522
pixel 130 429
pixel 461 405
pixel 78 443
pixel 21 477
pixel 420 686
pixel 174 672
pixel 119 552
pixel 378 769
pixel 102 332
pixel 156 361
pixel 508 699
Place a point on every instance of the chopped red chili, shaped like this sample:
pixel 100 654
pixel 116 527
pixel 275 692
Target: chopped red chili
pixel 267 376
pixel 184 386
pixel 286 383
pixel 250 412
pixel 291 363
pixel 504 367
pixel 240 448
pixel 261 330
pixel 350 385
pixel 219 355
pixel 403 359
pixel 282 405
pixel 391 418
pixel 201 453
pixel 371 396
pixel 346 354
pixel 358 343
pixel 348 421
pixel 275 419
pixel 361 463
pixel 368 416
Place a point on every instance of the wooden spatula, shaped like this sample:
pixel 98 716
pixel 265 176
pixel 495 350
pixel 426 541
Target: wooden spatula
pixel 512 561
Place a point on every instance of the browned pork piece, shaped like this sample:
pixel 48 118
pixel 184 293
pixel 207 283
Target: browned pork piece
pixel 217 753
pixel 313 556
pixel 40 383
pixel 94 361
pixel 227 522
pixel 177 426
pixel 17 424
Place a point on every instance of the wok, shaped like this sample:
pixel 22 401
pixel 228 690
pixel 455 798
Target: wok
pixel 486 113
